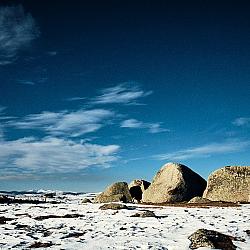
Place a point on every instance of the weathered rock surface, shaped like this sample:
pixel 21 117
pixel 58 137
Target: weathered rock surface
pixel 198 199
pixel 113 206
pixel 115 193
pixel 231 184
pixel 174 183
pixel 211 239
pixel 137 187
pixel 86 200
pixel 144 214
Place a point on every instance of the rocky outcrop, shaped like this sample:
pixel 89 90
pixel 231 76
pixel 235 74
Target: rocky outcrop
pixel 231 184
pixel 211 239
pixel 137 187
pixel 115 193
pixel 174 183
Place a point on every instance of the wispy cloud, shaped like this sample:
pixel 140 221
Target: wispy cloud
pixel 18 29
pixel 52 155
pixel 1 132
pixel 242 121
pixel 135 124
pixel 52 53
pixel 125 93
pixel 205 150
pixel 66 123
pixel 26 82
pixel 76 98
pixel 2 108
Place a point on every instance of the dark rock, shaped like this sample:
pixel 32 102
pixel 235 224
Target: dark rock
pixel 73 235
pixel 211 239
pixel 40 245
pixel 47 233
pixel 50 195
pixel 247 232
pixel 114 206
pixel 4 219
pixel 4 199
pixel 22 226
pixel 53 216
pixel 86 200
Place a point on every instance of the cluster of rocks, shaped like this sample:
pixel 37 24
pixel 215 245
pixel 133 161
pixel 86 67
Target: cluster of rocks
pixel 177 183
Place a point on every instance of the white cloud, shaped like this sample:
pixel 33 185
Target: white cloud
pixel 17 30
pixel 242 121
pixel 206 150
pixel 125 93
pixel 71 124
pixel 52 155
pixel 131 123
pixel 135 124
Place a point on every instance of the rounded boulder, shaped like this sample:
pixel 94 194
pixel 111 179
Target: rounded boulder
pixel 117 192
pixel 229 184
pixel 174 183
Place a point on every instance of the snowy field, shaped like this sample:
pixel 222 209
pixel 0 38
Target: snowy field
pixel 92 228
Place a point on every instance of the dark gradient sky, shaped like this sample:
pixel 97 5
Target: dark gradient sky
pixel 93 92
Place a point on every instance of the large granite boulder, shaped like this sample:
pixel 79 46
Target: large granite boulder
pixel 115 193
pixel 230 184
pixel 174 183
pixel 137 187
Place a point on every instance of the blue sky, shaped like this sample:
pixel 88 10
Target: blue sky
pixel 93 92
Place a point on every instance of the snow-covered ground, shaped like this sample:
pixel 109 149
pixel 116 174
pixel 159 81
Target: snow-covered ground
pixel 110 229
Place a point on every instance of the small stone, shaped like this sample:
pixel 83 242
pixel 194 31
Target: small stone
pixel 198 199
pixel 113 206
pixel 86 200
pixel 144 214
pixel 40 245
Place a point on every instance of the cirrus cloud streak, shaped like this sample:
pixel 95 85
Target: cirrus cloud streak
pixel 206 150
